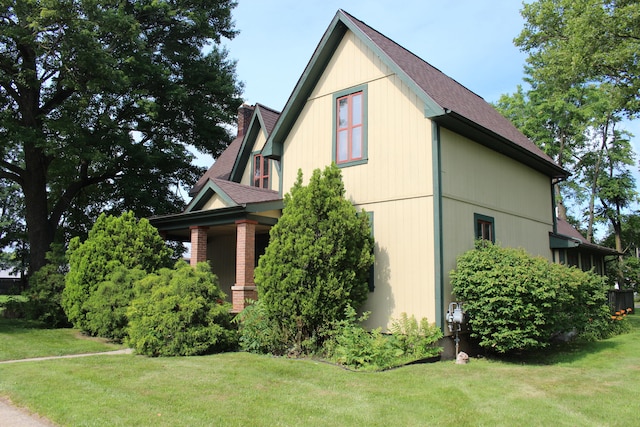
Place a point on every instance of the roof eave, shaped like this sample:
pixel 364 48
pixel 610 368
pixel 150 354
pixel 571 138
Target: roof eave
pixel 492 140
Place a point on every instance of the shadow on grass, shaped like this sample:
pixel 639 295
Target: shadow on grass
pixel 572 351
pixel 19 326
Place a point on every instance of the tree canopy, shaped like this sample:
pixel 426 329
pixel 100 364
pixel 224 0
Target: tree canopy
pixel 100 102
pixel 582 82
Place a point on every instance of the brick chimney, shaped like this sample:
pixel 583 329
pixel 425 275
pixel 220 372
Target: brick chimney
pixel 244 118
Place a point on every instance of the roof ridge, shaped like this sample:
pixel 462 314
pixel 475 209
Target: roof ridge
pixel 411 53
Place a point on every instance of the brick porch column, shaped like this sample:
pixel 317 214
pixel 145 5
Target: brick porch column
pixel 198 244
pixel 244 288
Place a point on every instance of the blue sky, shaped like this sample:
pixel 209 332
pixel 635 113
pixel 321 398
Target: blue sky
pixel 468 40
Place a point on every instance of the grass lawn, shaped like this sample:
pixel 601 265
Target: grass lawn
pixel 593 385
pixel 22 339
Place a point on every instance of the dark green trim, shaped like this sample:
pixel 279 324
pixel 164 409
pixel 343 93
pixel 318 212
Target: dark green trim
pixel 479 217
pixel 437 224
pixel 205 193
pixel 365 125
pixel 246 149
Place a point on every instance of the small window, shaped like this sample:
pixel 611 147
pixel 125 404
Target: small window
pixel 485 228
pixel 350 130
pixel 260 171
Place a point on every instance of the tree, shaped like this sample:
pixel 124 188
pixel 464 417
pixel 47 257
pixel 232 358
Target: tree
pixel 317 262
pixel 100 101
pixel 113 243
pixel 585 41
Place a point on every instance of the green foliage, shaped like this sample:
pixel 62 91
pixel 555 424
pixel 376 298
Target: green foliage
pixel 518 302
pixel 180 312
pixel 417 340
pixel 100 102
pixel 257 334
pixel 585 41
pixel 351 345
pixel 107 305
pixel 113 243
pixel 317 262
pixel 44 295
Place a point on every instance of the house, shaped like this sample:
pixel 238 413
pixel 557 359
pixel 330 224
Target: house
pixel 434 165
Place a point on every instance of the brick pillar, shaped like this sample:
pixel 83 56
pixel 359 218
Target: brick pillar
pixel 198 244
pixel 244 288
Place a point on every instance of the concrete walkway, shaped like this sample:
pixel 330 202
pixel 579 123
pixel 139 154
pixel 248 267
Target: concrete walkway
pixel 12 416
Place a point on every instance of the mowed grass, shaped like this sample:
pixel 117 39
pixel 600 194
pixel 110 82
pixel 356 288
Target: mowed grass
pixel 592 385
pixel 23 339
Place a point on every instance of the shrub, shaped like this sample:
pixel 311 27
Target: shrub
pixel 317 262
pixel 44 294
pixel 113 242
pixel 349 344
pixel 180 312
pixel 518 302
pixel 256 333
pixel 107 305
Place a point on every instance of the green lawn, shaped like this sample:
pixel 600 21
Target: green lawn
pixel 21 339
pixel 595 385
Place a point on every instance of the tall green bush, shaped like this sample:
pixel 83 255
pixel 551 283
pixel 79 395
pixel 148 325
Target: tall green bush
pixel 317 262
pixel 518 302
pixel 113 242
pixel 107 305
pixel 44 294
pixel 180 312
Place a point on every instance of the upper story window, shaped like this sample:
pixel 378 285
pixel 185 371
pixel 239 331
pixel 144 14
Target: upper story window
pixel 485 227
pixel 350 136
pixel 260 171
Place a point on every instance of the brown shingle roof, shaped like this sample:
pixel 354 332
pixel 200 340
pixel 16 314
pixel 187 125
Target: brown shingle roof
pixel 221 168
pixel 446 92
pixel 244 194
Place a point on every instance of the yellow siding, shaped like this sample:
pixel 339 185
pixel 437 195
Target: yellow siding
pixel 478 180
pixel 215 202
pixel 395 183
pixel 399 137
pixel 404 264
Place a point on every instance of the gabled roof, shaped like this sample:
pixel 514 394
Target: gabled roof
pixel 232 194
pixel 446 101
pixel 263 119
pixel 221 168
pixel 223 165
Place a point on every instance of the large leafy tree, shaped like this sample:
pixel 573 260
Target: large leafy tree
pixel 575 103
pixel 585 41
pixel 100 102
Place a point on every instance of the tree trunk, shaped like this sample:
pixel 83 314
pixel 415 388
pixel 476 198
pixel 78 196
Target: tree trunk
pixel 40 231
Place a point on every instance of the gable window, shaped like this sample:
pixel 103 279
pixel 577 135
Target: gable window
pixel 350 145
pixel 484 227
pixel 260 171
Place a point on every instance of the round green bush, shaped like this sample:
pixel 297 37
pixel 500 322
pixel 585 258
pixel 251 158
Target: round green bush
pixel 113 242
pixel 180 312
pixel 518 302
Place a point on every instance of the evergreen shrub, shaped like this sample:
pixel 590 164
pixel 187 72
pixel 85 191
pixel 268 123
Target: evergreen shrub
pixel 316 264
pixel 113 243
pixel 180 312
